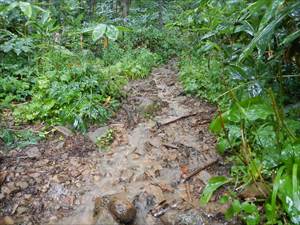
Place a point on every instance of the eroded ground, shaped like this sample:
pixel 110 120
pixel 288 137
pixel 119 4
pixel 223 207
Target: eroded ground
pixel 160 137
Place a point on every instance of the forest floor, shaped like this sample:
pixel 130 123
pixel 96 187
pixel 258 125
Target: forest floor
pixel 158 139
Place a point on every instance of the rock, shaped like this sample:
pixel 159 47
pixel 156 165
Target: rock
pixel 94 136
pixel 122 209
pixel 9 188
pixel 105 218
pixel 33 153
pixel 21 210
pixel 174 217
pixel 192 217
pixel 100 213
pixel 148 106
pixel 65 131
pixel 204 176
pixel 169 217
pixel 22 184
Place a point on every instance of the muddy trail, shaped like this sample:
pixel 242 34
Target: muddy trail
pixel 150 167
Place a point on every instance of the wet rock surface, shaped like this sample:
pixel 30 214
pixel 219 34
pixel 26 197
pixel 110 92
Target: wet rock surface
pixel 157 144
pixel 123 210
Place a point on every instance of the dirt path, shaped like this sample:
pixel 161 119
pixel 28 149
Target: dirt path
pixel 160 137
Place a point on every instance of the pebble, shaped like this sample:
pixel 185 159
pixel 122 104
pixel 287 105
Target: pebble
pixel 174 217
pixel 123 210
pixel 33 153
pixel 21 210
pixel 22 184
pixel 94 136
pixel 101 215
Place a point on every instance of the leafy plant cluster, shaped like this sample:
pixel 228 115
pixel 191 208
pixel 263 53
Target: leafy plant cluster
pixel 61 65
pixel 245 58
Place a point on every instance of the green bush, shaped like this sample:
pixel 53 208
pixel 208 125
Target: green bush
pixel 200 76
pixel 78 89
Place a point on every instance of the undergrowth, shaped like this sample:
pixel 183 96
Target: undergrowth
pixel 242 62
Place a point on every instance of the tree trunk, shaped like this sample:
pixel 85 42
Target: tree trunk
pixel 160 13
pixel 92 5
pixel 125 8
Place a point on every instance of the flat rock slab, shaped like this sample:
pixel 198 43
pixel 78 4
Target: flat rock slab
pixel 33 152
pixel 95 135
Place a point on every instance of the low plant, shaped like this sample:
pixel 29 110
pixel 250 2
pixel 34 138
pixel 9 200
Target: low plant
pixel 106 140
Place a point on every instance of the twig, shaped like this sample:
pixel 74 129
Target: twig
pixel 198 170
pixel 177 119
pixel 170 146
pixel 188 191
pixel 204 122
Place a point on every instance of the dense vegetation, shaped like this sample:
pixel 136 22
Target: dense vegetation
pixel 66 62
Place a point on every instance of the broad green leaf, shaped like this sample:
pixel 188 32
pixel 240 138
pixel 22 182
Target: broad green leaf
pixel 234 209
pixel 216 125
pixel 222 145
pixel 45 17
pixel 251 213
pixel 26 8
pixel 124 29
pixel 290 153
pixel 112 32
pixel 213 184
pixel 99 32
pixel 12 6
pixel 265 136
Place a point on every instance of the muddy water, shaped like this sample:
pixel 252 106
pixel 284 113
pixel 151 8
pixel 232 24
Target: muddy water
pixel 155 148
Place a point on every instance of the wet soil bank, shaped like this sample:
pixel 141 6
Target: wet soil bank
pixel 146 176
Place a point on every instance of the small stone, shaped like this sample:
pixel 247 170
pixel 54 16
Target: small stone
pixel 22 184
pixel 94 136
pixel 122 209
pixel 96 178
pixel 101 215
pixel 65 131
pixel 9 188
pixel 21 210
pixel 192 217
pixel 174 217
pixel 33 153
pixel 27 196
pixel 204 176
pixel 169 217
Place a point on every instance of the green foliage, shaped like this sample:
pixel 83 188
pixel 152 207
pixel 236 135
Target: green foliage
pixel 21 138
pixel 244 58
pixel 200 76
pixel 213 184
pixel 106 140
pixel 161 41
pixel 247 211
pixel 89 83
